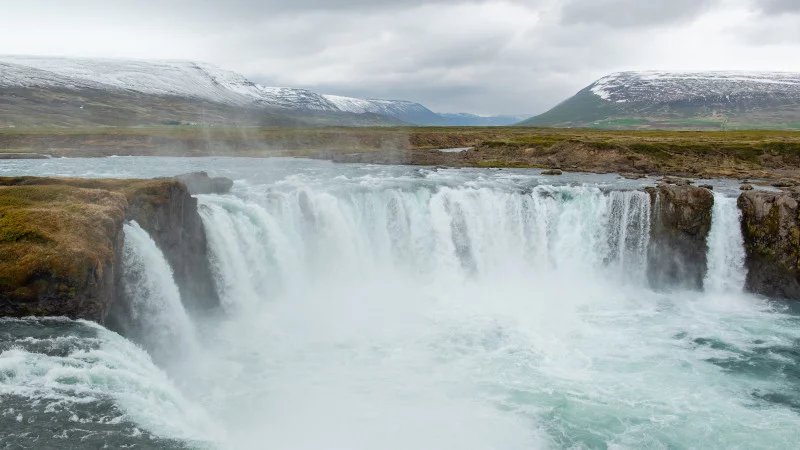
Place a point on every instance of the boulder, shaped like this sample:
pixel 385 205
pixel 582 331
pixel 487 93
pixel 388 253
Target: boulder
pixel 680 222
pixel 676 181
pixel 201 183
pixel 771 230
pixel 552 172
pixel 746 187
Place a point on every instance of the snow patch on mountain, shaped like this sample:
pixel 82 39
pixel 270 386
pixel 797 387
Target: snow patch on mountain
pixel 662 87
pixel 376 106
pixel 177 78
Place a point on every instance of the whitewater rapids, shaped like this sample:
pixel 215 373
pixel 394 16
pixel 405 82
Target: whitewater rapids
pixel 393 307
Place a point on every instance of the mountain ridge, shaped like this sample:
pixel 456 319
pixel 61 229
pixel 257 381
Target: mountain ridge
pixel 678 99
pixel 206 93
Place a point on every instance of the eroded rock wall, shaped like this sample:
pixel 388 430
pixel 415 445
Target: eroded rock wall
pixel 771 230
pixel 680 223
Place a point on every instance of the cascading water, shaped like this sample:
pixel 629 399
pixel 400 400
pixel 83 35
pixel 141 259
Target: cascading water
pixel 726 272
pixel 157 318
pixel 396 307
pixel 287 238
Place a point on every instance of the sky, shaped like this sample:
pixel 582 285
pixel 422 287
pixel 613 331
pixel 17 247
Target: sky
pixel 483 57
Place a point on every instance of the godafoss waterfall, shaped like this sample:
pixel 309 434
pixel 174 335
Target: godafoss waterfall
pixel 392 307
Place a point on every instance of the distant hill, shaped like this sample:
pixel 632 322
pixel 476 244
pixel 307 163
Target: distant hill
pixel 703 100
pixel 48 91
pixel 472 120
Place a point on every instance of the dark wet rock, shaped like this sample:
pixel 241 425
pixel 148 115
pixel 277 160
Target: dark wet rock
pixel 707 186
pixel 201 183
pixel 552 172
pixel 681 220
pixel 746 187
pixel 771 231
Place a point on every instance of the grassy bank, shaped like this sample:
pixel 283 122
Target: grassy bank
pixel 57 238
pixel 740 153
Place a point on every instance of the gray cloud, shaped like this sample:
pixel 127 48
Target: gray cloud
pixel 779 6
pixel 482 56
pixel 632 12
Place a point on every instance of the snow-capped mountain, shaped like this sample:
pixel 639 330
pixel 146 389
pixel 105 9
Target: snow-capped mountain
pixel 690 99
pixel 164 78
pixel 217 89
pixel 406 111
pixel 665 87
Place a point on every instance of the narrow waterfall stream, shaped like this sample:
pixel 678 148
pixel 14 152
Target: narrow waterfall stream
pixel 159 321
pixel 726 272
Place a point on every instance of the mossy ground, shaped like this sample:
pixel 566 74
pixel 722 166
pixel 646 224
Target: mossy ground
pixel 62 229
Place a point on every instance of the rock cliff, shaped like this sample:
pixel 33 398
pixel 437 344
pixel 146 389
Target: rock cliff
pixel 681 220
pixel 771 230
pixel 61 239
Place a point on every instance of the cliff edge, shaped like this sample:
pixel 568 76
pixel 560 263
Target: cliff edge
pixel 61 242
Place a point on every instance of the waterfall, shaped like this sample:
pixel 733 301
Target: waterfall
pixel 726 271
pixel 158 320
pixel 285 239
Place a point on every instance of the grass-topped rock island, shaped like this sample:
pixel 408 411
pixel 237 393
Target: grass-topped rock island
pixel 61 238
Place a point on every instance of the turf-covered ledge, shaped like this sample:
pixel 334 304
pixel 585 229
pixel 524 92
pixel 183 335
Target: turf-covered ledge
pixel 61 239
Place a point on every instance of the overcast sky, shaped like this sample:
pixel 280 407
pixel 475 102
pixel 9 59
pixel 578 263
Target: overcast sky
pixel 485 57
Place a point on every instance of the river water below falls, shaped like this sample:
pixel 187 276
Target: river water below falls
pixel 401 307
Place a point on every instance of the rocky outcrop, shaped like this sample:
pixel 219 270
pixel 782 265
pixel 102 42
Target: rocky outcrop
pixel 681 220
pixel 59 248
pixel 61 242
pixel 771 231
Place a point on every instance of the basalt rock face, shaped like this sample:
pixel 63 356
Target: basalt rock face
pixel 168 212
pixel 771 230
pixel 681 221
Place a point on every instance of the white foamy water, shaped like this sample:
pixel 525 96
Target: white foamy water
pixel 726 272
pixel 160 322
pixel 67 384
pixel 392 307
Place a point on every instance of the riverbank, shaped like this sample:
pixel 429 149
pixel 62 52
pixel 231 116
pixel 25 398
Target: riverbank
pixel 771 155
